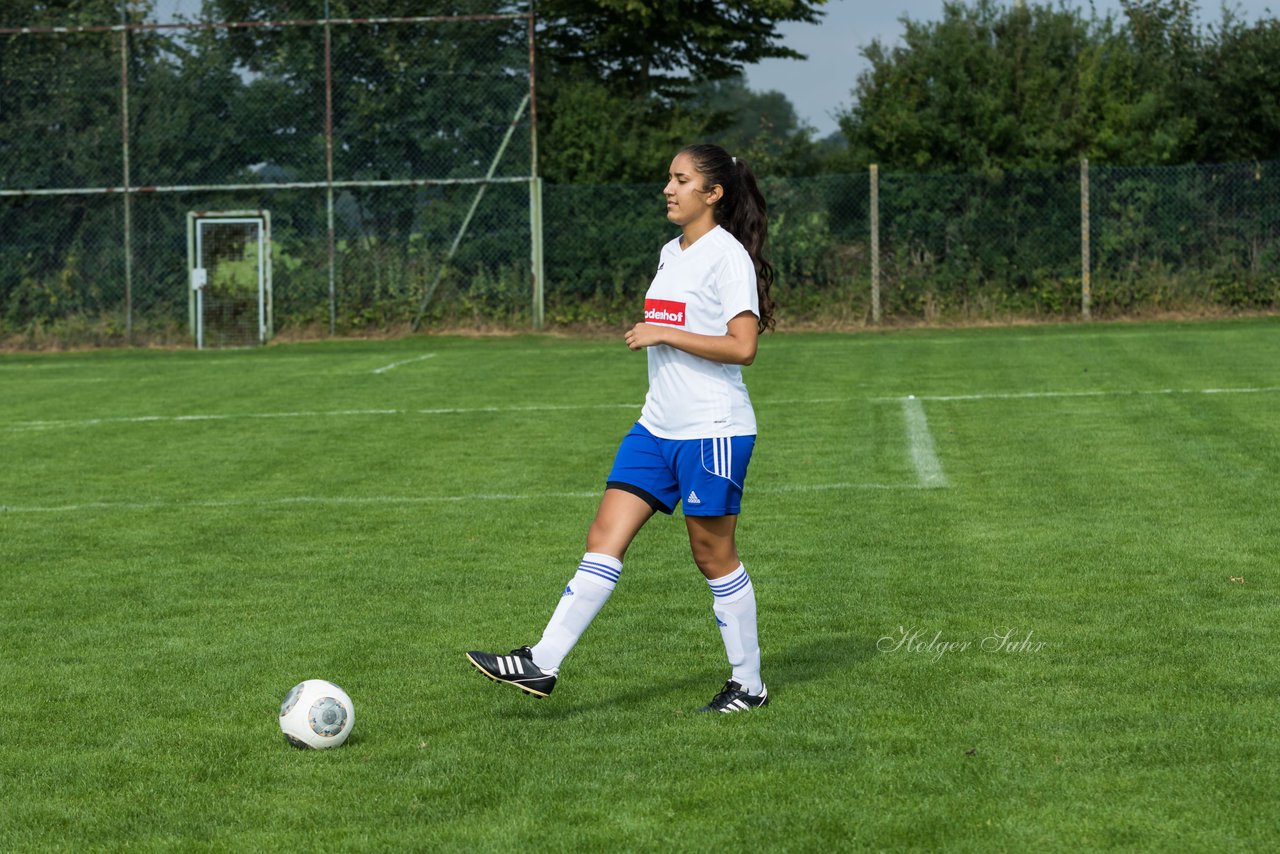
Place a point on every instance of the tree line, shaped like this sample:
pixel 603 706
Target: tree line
pixel 987 86
pixel 991 86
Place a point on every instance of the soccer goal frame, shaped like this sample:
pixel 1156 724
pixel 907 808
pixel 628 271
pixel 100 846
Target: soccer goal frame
pixel 199 262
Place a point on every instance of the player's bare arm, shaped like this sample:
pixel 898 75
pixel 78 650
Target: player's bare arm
pixel 736 347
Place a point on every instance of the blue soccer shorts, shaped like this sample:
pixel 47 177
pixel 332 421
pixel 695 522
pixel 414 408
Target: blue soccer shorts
pixel 706 474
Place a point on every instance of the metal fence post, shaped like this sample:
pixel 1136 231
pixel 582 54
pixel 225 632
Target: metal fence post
pixel 328 162
pixel 875 243
pixel 1086 283
pixel 535 185
pixel 128 200
pixel 535 259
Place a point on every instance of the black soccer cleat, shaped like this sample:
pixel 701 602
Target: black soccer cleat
pixel 516 668
pixel 734 698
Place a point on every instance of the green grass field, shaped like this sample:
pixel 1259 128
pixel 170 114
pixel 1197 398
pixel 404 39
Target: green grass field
pixel 1031 609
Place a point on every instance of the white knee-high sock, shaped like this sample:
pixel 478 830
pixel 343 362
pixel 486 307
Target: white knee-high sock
pixel 735 609
pixel 583 597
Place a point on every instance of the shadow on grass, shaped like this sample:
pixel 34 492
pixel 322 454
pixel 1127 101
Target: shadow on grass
pixel 810 661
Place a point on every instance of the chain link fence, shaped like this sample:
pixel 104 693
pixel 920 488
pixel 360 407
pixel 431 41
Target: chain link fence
pixel 393 154
pixel 395 157
pixel 1189 238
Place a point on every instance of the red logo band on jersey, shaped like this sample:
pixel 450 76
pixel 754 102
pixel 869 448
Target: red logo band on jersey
pixel 664 311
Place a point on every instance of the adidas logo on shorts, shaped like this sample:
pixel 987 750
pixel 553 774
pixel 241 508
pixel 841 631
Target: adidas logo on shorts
pixel 693 498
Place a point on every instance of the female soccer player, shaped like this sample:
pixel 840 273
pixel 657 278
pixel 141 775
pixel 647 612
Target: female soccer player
pixel 708 303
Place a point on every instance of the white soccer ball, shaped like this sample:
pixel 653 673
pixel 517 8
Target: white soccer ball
pixel 316 714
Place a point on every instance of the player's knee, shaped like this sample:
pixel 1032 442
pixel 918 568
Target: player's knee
pixel 606 538
pixel 714 557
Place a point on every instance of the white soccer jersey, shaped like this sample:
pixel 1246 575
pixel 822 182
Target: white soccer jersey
pixel 699 289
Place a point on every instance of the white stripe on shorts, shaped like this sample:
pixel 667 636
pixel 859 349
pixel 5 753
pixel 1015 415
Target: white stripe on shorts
pixel 721 458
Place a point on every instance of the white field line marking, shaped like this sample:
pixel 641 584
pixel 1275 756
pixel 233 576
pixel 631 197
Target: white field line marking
pixel 923 456
pixel 402 499
pixel 468 410
pixel 1034 395
pixel 394 365
pixel 42 366
pixel 161 419
pixel 909 338
pixel 334 413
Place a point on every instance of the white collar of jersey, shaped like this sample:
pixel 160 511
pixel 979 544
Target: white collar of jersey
pixel 679 241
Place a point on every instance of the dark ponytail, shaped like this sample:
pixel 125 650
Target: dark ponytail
pixel 741 211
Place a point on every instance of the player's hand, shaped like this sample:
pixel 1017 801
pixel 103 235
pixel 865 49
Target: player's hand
pixel 643 335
